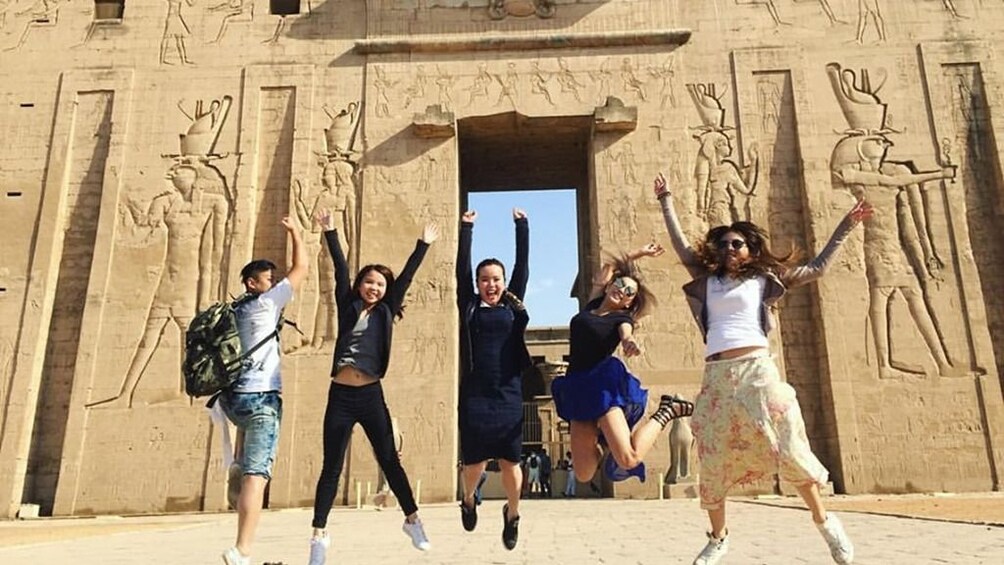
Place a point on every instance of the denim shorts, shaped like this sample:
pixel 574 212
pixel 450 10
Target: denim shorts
pixel 257 414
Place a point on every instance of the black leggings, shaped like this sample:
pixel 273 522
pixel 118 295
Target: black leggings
pixel 348 405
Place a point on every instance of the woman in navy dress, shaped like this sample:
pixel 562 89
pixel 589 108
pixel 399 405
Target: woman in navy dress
pixel 493 357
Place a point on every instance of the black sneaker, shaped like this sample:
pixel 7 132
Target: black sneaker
pixel 510 529
pixel 469 516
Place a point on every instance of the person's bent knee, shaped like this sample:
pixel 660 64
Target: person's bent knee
pixel 584 475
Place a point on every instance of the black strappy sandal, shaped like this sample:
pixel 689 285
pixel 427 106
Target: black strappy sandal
pixel 672 407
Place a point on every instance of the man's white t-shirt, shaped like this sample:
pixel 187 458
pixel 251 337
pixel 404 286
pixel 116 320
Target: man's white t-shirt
pixel 256 319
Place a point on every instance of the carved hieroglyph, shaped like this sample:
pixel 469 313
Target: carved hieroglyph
pixel 769 5
pixel 338 195
pixel 479 88
pixel 870 12
pixel 176 30
pixel 195 222
pixel 233 11
pixel 900 256
pixel 196 214
pixel 567 81
pixel 664 73
pixel 381 86
pixel 720 181
pixel 41 13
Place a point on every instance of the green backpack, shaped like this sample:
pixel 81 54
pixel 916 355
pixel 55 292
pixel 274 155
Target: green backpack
pixel 213 356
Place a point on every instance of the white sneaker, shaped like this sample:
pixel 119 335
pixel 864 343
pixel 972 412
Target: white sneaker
pixel 319 549
pixel 833 532
pixel 234 557
pixel 714 551
pixel 417 534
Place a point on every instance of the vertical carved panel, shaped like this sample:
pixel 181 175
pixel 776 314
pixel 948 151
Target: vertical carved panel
pixel 781 172
pixel 275 163
pixel 973 151
pixel 88 153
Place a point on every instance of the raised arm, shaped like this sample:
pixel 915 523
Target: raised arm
pixel 343 286
pixel 683 249
pixel 403 280
pixel 298 271
pixel 521 270
pixel 815 268
pixel 465 280
pixel 606 271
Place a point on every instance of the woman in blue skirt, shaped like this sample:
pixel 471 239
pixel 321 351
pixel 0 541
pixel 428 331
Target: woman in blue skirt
pixel 598 396
pixel 493 356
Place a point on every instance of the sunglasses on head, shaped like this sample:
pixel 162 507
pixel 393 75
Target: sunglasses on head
pixel 621 284
pixel 735 244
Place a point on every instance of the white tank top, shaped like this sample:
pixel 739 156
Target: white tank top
pixel 734 314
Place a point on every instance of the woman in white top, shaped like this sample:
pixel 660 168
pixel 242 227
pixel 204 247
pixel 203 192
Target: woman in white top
pixel 747 421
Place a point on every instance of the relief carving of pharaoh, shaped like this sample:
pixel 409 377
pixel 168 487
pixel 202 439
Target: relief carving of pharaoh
pixel 724 190
pixel 899 253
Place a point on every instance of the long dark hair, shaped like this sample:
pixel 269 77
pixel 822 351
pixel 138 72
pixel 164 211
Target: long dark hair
pixel 762 260
pixel 388 276
pixel 644 300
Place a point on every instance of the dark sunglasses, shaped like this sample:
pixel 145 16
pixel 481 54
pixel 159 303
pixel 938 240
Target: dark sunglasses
pixel 735 244
pixel 621 284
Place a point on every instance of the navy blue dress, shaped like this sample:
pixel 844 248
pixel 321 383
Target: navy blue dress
pixel 493 357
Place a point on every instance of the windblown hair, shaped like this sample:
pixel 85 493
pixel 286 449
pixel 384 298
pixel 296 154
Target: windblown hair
pixel 388 275
pixel 644 300
pixel 762 260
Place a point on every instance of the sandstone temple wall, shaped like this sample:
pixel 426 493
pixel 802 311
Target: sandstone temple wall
pixel 148 157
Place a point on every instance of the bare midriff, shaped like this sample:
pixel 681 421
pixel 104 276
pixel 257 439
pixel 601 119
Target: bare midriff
pixel 733 353
pixel 350 376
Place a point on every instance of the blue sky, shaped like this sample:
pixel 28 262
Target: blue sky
pixel 553 246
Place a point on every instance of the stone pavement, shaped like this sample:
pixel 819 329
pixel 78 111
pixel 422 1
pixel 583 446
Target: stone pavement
pixel 552 531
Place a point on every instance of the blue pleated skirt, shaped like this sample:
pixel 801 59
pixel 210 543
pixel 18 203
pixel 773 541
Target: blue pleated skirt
pixel 587 395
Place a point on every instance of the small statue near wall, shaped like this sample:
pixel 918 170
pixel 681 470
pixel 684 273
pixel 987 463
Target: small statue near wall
pixel 681 444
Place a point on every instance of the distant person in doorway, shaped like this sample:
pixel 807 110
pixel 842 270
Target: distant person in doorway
pixel 545 473
pixel 570 481
pixel 493 356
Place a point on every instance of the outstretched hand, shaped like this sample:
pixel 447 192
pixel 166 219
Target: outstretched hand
pixel 289 224
pixel 323 218
pixel 659 187
pixel 630 347
pixel 430 233
pixel 518 213
pixel 861 211
pixel 469 216
pixel 651 250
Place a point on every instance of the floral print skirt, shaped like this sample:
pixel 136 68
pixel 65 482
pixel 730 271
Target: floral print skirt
pixel 748 425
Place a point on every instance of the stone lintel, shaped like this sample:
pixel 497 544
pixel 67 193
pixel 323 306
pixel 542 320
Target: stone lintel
pixel 614 116
pixel 513 42
pixel 436 122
